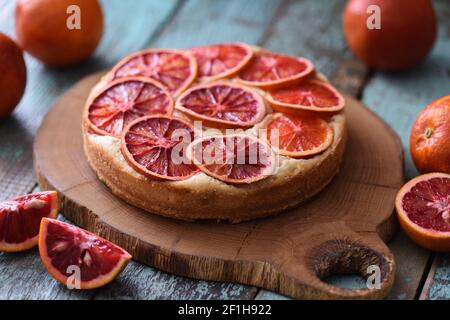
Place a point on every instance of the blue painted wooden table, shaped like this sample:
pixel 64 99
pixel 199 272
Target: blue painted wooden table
pixel 306 28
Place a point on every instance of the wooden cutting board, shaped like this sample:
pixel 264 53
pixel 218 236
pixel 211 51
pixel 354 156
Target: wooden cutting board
pixel 341 230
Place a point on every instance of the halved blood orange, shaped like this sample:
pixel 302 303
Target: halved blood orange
pixel 77 257
pixel 174 69
pixel 423 209
pixel 20 219
pixel 298 136
pixel 235 159
pixel 222 60
pixel 155 146
pixel 308 95
pixel 123 101
pixel 222 104
pixel 269 69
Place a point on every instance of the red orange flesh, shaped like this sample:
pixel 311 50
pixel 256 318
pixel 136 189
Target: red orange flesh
pixel 222 104
pixel 174 69
pixel 308 95
pixel 66 249
pixel 155 146
pixel 298 136
pixel 269 69
pixel 222 60
pixel 423 209
pixel 234 159
pixel 124 100
pixel 20 219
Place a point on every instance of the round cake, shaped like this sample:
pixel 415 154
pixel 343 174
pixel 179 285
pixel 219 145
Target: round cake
pixel 223 131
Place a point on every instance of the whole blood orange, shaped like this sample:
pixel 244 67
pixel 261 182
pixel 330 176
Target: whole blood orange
pixel 155 146
pixel 234 159
pixel 298 136
pixel 124 100
pixel 269 69
pixel 308 95
pixel 430 137
pixel 174 69
pixel 406 35
pixel 20 219
pixel 78 257
pixel 13 75
pixel 222 60
pixel 423 209
pixel 222 104
pixel 45 30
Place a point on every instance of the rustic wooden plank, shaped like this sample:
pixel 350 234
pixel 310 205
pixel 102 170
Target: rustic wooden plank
pixel 23 276
pixel 333 58
pixel 227 21
pixel 142 282
pixel 313 30
pixel 292 34
pixel 109 52
pixel 412 262
pixel 437 285
pixel 398 98
pixel 201 22
pixel 45 84
pixel 43 87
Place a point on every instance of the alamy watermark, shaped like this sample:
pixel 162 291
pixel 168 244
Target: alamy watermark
pixel 73 21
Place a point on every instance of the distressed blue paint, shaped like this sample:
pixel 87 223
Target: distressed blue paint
pixel 440 285
pixel 301 27
pixel 313 30
pixel 142 282
pixel 399 97
pixel 202 21
pixel 44 84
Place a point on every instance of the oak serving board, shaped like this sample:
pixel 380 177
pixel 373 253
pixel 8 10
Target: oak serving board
pixel 341 230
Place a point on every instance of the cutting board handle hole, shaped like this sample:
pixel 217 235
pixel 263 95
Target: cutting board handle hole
pixel 342 257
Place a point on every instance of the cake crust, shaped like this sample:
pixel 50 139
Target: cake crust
pixel 203 197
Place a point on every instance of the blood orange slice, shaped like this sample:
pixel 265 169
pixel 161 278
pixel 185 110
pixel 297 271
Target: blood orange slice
pixel 423 209
pixel 155 146
pixel 174 69
pixel 219 61
pixel 298 136
pixel 123 101
pixel 222 104
pixel 79 258
pixel 309 95
pixel 235 159
pixel 20 219
pixel 268 69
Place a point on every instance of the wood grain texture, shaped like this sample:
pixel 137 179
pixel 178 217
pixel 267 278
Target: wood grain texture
pixel 437 285
pixel 201 22
pixel 123 36
pixel 23 276
pixel 337 231
pixel 398 98
pixel 45 84
pixel 296 31
pixel 227 21
pixel 141 282
pixel 148 20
